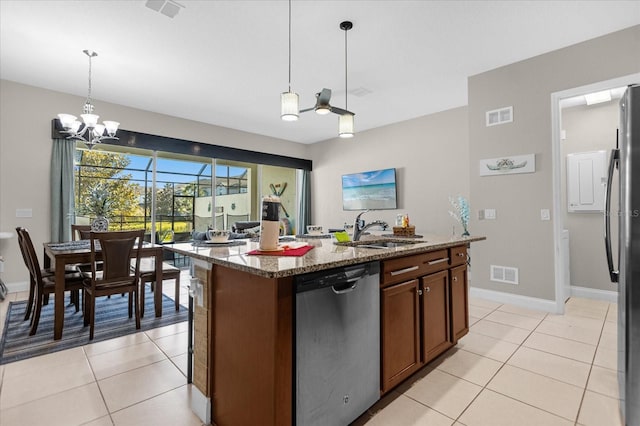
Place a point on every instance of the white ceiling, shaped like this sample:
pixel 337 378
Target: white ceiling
pixel 225 62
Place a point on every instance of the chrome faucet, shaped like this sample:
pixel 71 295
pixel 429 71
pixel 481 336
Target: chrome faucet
pixel 359 226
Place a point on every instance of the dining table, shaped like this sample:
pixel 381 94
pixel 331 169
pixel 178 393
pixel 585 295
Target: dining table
pixel 58 255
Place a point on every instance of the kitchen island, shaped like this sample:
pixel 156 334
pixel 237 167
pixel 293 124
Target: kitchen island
pixel 244 322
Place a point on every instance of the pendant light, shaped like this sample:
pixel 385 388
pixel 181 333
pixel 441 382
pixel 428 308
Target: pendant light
pixel 345 121
pixel 88 130
pixel 289 100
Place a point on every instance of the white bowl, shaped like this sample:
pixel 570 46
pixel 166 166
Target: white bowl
pixel 218 235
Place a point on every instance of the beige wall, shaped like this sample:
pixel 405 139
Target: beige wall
pixel 518 237
pixel 588 128
pixel 25 154
pixel 430 155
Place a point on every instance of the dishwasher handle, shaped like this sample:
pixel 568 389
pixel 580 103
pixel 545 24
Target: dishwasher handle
pixel 346 289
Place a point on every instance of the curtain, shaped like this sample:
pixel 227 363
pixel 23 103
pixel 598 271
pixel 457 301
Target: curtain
pixel 62 208
pixel 305 203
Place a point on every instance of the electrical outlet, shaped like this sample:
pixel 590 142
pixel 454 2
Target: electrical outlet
pixel 490 214
pixel 200 294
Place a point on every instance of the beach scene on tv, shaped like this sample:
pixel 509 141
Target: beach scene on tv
pixel 374 190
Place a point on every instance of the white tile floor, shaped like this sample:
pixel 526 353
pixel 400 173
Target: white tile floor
pixel 139 379
pixel 515 367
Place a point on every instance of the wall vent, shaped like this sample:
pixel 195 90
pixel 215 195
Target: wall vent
pixel 504 274
pixel 499 116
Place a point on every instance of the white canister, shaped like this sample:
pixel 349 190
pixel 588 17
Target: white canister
pixel 270 223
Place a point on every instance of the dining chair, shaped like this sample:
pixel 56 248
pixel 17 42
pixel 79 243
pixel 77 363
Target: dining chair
pixel 114 249
pixel 80 232
pixel 42 281
pixel 148 275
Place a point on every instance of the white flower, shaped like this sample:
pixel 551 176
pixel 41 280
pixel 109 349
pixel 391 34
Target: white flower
pixel 461 213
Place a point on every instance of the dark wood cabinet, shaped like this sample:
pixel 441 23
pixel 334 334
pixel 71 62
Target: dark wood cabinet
pixel 400 332
pixel 459 302
pixel 436 336
pixel 424 310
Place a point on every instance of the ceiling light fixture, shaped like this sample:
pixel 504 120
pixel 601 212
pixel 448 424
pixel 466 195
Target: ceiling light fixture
pixel 88 131
pixel 289 100
pixel 345 121
pixel 168 8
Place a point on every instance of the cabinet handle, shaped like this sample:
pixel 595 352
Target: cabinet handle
pixel 427 289
pixel 404 271
pixel 419 292
pixel 460 254
pixel 455 279
pixel 435 262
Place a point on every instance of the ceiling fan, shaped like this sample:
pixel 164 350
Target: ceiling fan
pixel 322 106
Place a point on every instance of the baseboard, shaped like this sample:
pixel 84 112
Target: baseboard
pixel 17 286
pixel 595 294
pixel 200 405
pixel 514 299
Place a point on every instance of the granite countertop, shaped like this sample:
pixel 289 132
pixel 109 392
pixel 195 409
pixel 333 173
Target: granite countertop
pixel 325 254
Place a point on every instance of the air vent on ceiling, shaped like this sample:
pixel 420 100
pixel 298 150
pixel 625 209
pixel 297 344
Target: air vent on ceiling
pixel 504 274
pixel 168 8
pixel 499 116
pixel 360 91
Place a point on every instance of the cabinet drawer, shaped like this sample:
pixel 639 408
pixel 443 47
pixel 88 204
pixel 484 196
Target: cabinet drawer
pixel 401 269
pixel 458 255
pixel 435 261
pixel 409 267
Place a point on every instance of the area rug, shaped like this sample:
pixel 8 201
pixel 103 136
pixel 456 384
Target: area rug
pixel 112 320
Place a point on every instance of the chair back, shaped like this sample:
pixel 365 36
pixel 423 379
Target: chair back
pixel 116 249
pixel 29 254
pixel 80 232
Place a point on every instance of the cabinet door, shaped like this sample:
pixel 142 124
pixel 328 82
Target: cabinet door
pixel 400 333
pixel 435 315
pixel 459 302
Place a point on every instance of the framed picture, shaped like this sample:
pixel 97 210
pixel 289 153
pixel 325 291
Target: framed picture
pixel 508 165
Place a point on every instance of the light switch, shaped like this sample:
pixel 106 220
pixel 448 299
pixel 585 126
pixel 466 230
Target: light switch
pixel 24 213
pixel 490 214
pixel 545 214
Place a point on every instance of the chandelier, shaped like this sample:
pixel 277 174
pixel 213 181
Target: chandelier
pixel 88 130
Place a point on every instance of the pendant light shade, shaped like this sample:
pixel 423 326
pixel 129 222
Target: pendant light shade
pixel 346 126
pixel 289 106
pixel 345 121
pixel 289 109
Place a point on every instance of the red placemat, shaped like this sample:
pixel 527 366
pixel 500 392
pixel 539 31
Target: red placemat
pixel 301 251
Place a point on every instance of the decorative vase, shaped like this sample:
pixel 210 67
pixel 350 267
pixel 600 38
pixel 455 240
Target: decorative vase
pixel 99 224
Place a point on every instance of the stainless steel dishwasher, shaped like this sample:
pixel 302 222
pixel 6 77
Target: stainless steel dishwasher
pixel 337 341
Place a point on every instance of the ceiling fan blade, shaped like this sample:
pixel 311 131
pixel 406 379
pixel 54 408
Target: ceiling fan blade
pixel 307 109
pixel 324 97
pixel 341 111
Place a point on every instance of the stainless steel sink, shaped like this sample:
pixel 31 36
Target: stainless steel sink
pixel 378 244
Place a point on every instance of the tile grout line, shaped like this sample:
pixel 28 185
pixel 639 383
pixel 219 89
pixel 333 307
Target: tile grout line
pixel 595 353
pixel 484 387
pixel 104 401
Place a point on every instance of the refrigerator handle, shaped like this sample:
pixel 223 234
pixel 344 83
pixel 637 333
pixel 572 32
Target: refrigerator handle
pixel 613 160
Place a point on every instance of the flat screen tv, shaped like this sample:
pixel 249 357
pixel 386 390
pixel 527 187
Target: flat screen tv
pixel 374 190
